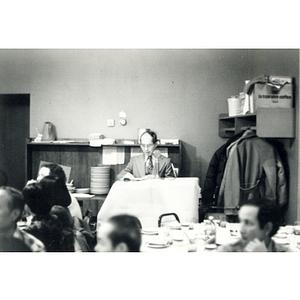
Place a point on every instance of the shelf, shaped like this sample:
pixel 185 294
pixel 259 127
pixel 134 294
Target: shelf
pixel 74 142
pixel 267 122
pixel 227 117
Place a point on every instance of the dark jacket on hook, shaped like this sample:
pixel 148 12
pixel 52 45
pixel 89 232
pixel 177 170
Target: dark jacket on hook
pixel 215 172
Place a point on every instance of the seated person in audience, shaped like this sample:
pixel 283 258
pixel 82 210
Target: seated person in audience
pixel 259 222
pixel 40 197
pixel 143 166
pixel 121 233
pixel 11 244
pixel 56 170
pixel 11 208
pixel 84 241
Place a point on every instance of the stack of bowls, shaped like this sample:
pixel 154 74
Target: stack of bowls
pixel 100 180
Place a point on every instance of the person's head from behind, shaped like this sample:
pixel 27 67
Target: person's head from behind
pixel 63 215
pixel 259 219
pixel 52 170
pixel 121 233
pixel 38 201
pixel 56 189
pixel 148 142
pixel 11 207
pixel 41 196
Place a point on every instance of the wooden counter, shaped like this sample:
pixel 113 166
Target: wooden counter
pixel 81 157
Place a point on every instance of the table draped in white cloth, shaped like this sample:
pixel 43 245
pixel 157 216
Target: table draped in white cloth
pixel 148 199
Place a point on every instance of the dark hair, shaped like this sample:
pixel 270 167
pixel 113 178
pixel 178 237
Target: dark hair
pixel 151 133
pixel 63 215
pixel 17 199
pixel 268 211
pixel 39 202
pixel 56 170
pixel 127 229
pixel 57 190
pixel 50 231
pixel 41 196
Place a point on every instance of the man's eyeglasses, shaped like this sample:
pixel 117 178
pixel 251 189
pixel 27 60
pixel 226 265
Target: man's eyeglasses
pixel 147 145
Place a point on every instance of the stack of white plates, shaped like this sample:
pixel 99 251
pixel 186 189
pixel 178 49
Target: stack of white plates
pixel 100 180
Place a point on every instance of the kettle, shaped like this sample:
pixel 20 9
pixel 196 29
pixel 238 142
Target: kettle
pixel 49 132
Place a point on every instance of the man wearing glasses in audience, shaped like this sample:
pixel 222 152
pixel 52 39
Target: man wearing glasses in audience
pixel 143 166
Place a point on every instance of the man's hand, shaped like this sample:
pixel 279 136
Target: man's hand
pixel 128 176
pixel 31 181
pixel 256 246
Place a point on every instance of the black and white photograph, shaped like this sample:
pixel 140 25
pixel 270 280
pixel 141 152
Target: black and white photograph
pixel 163 141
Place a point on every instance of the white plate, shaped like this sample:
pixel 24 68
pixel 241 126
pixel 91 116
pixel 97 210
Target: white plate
pixel 280 236
pixel 282 241
pixel 77 195
pixel 149 231
pixel 157 245
pixel 210 246
pixel 82 191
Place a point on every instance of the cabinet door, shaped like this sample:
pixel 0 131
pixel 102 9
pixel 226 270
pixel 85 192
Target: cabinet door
pixel 276 122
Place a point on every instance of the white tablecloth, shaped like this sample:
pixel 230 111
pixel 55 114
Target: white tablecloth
pixel 148 199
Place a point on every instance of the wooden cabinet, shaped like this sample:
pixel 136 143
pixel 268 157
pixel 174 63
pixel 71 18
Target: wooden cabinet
pixel 267 122
pixel 81 157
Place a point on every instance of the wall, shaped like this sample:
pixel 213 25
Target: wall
pixel 283 62
pixel 177 93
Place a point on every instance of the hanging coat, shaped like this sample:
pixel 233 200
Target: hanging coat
pixel 254 169
pixel 214 174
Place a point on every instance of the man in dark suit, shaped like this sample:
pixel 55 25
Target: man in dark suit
pixel 144 166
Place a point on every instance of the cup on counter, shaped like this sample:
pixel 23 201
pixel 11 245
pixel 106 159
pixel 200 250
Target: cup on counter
pixel 289 229
pixel 297 228
pixel 185 226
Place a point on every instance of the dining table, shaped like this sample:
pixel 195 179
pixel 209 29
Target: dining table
pixel 149 199
pixel 191 237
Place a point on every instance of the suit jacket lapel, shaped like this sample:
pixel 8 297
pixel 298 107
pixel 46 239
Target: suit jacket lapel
pixel 141 165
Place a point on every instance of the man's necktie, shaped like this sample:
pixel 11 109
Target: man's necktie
pixel 149 165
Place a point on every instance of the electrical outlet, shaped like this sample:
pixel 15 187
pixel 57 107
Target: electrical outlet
pixel 110 122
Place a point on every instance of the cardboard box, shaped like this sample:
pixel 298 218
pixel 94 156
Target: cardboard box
pixel 266 95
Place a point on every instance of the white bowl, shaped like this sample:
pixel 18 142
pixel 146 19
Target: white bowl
pixel 289 229
pixel 83 190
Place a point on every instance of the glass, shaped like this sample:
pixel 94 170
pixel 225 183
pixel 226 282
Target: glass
pixel 297 228
pixel 164 234
pixel 223 221
pixel 192 246
pixel 147 145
